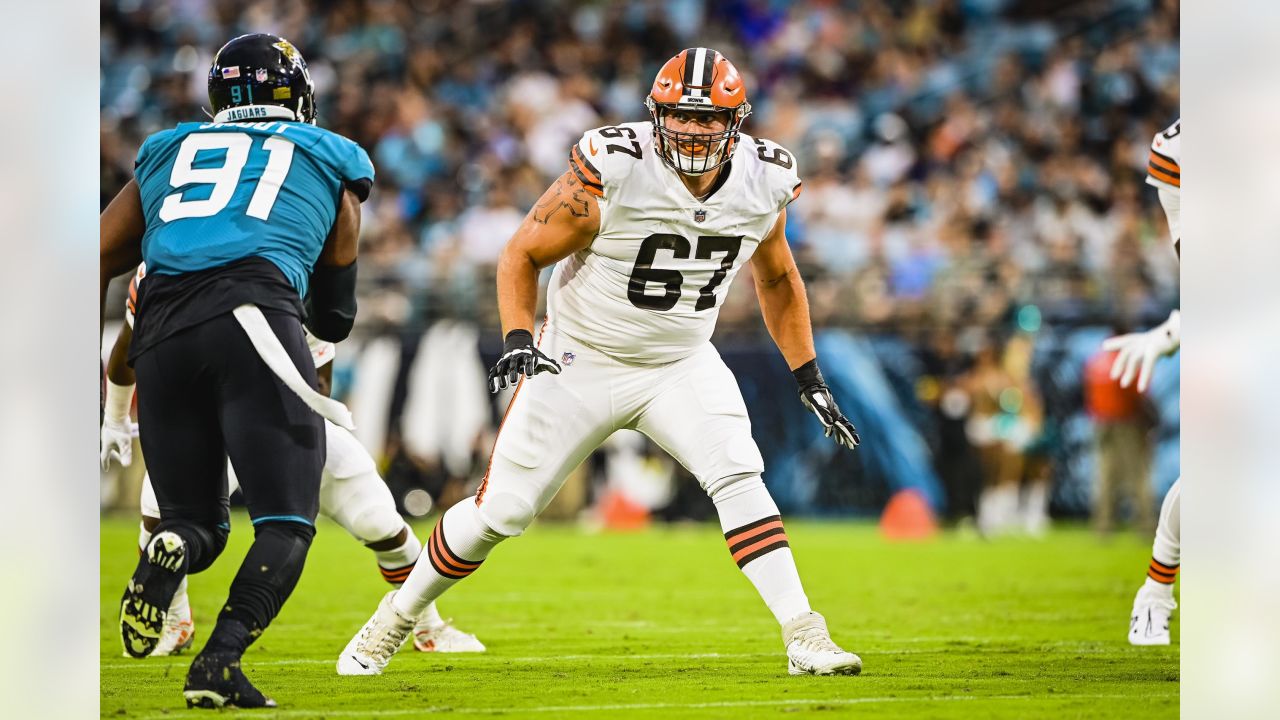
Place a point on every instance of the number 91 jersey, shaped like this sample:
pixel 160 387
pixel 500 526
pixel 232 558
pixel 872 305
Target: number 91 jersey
pixel 649 287
pixel 214 193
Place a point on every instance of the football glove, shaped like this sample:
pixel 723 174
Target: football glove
pixel 117 442
pixel 1136 353
pixel 519 357
pixel 816 396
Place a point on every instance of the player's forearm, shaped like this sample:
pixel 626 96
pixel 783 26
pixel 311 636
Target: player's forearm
pixel 517 290
pixel 785 308
pixel 118 370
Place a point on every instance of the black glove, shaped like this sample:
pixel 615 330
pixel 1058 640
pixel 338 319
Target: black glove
pixel 816 396
pixel 519 357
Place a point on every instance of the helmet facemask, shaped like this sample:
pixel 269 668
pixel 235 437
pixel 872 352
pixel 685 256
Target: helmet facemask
pixel 693 153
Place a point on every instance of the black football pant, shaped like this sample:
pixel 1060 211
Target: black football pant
pixel 204 395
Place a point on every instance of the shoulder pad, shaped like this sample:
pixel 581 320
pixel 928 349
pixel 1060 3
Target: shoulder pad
pixel 1162 164
pixel 347 157
pixel 775 165
pixel 150 146
pixel 606 155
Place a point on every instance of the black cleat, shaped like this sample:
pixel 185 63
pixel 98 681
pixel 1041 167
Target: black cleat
pixel 147 596
pixel 215 680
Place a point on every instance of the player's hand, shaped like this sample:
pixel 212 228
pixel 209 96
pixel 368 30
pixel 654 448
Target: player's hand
pixel 816 397
pixel 117 442
pixel 519 357
pixel 1136 353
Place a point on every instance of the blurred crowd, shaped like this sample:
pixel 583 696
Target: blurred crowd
pixel 973 169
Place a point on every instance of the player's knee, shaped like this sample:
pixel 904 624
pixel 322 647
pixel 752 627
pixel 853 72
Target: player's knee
pixel 506 514
pixel 295 534
pixel 375 524
pixel 205 542
pixel 724 487
pixel 734 467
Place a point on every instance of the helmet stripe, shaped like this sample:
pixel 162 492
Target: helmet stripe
pixel 687 79
pixel 700 75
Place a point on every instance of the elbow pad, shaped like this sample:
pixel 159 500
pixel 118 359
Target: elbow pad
pixel 331 303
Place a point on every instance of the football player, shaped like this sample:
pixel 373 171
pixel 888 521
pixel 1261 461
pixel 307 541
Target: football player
pixel 647 230
pixel 352 494
pixel 1135 358
pixel 238 220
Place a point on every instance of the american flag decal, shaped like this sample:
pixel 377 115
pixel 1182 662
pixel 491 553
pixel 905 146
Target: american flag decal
pixel 229 73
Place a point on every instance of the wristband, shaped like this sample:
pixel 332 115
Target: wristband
pixel 119 398
pixel 808 374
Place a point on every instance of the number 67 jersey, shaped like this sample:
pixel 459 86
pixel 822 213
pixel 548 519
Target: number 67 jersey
pixel 648 289
pixel 213 193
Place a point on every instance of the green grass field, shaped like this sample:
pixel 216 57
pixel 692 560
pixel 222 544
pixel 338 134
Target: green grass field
pixel 661 623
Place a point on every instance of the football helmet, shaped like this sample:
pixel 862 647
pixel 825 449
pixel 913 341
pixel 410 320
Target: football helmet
pixel 697 80
pixel 261 76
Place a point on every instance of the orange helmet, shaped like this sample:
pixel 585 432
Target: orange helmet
pixel 697 80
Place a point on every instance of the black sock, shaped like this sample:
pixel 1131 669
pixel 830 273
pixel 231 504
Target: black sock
pixel 266 578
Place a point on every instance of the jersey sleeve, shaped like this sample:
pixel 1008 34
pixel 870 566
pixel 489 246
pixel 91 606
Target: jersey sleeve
pixel 1163 170
pixel 357 172
pixel 781 170
pixel 585 161
pixel 603 157
pixel 347 159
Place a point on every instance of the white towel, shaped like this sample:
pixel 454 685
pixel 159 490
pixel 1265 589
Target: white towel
pixel 274 355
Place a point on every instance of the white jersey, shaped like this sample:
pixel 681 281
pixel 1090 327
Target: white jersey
pixel 1165 173
pixel 649 287
pixel 322 351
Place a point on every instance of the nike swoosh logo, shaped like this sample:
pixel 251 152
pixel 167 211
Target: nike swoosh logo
pixel 591 145
pixel 353 657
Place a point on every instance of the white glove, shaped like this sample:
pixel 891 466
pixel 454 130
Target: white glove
pixel 118 431
pixel 117 441
pixel 1136 353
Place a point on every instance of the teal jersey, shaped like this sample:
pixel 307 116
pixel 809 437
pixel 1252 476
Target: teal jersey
pixel 215 193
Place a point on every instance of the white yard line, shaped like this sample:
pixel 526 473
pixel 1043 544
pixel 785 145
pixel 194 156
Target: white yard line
pixel 657 706
pixel 1076 647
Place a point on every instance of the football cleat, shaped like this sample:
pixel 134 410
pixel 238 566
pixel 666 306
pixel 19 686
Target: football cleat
pixel 144 607
pixel 215 681
pixel 371 649
pixel 810 650
pixel 442 637
pixel 179 629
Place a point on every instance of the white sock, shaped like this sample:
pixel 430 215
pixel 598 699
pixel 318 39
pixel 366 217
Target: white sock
pixel 456 547
pixel 431 616
pixel 396 563
pixel 1167 548
pixel 144 537
pixel 180 603
pixel 753 526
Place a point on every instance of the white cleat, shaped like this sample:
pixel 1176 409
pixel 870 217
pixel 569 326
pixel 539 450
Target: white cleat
pixel 1149 624
pixel 371 649
pixel 179 629
pixel 810 650
pixel 441 637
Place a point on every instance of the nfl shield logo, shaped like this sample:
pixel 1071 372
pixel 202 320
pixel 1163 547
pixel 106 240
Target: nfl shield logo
pixel 567 358
pixel 699 215
pixel 261 75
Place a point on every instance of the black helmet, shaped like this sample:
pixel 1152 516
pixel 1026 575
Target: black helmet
pixel 261 76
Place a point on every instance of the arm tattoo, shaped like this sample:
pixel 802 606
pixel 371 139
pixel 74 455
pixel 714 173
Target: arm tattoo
pixel 771 282
pixel 566 194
